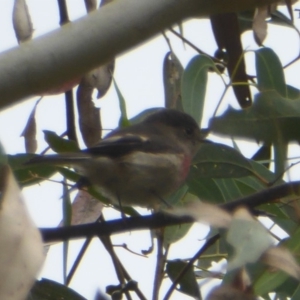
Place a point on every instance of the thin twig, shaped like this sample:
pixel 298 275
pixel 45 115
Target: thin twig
pixel 208 243
pixel 160 262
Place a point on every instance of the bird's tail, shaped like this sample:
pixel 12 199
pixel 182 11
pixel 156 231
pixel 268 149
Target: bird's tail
pixel 66 159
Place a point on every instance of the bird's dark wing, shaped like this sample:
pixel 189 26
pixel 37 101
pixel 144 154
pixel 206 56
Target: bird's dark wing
pixel 116 146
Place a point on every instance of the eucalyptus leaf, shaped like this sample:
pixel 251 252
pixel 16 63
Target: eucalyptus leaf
pixel 193 86
pixel 59 144
pixel 269 71
pixel 269 119
pixel 187 283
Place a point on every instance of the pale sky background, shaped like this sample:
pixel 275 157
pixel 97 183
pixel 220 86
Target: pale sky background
pixel 139 76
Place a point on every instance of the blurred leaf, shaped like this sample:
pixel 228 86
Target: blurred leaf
pixel 288 4
pixel 172 75
pixel 249 238
pixel 245 19
pixel 187 283
pixel 58 144
pixel 46 289
pixel 269 71
pixel 269 119
pixel 275 17
pixel 123 122
pixel 270 281
pixel 293 93
pixel 296 294
pixel 280 258
pixel 278 18
pixel 21 246
pixel 203 212
pixel 22 21
pixel 193 85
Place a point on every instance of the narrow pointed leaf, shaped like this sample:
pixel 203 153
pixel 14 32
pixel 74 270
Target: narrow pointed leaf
pixel 187 283
pixel 269 71
pixel 58 144
pixel 193 85
pixel 269 119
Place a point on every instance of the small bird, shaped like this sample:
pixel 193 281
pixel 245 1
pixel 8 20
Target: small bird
pixel 141 164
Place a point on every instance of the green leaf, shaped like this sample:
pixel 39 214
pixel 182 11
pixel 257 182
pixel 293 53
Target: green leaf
pixel 46 289
pixel 269 71
pixel 59 144
pixel 229 189
pixel 214 253
pixel 269 119
pixel 296 294
pixel 220 161
pixel 280 156
pixel 27 174
pixel 193 86
pixel 205 189
pixel 279 18
pixel 293 93
pixel 187 283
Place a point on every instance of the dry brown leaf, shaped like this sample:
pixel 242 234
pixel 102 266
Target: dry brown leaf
pixel 172 73
pixel 85 209
pixel 89 115
pixel 29 132
pixel 260 25
pixel 204 213
pixel 282 259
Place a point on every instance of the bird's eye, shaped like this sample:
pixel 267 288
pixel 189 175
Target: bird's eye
pixel 189 130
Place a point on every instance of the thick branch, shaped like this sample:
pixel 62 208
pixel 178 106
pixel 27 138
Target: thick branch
pixel 161 220
pixel 71 51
